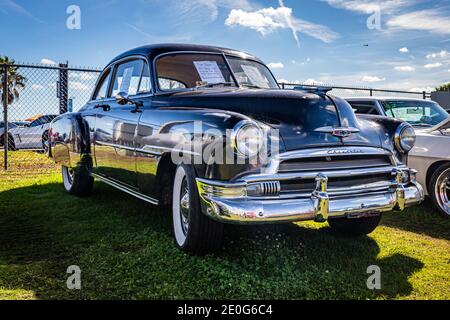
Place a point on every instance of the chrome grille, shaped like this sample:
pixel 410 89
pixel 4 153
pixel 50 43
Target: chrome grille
pixel 334 163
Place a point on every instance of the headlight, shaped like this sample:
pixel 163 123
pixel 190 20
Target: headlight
pixel 405 138
pixel 247 138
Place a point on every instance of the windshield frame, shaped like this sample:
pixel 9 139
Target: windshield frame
pixel 224 55
pixel 417 125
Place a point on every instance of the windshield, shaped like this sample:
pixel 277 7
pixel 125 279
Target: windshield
pixel 188 70
pixel 252 73
pixel 417 113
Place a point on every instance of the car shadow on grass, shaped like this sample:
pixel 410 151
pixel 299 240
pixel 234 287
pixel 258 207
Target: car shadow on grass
pixel 125 250
pixel 423 219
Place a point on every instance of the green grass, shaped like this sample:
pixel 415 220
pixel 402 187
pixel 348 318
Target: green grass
pixel 126 251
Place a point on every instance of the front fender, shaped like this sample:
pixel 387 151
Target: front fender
pixel 69 140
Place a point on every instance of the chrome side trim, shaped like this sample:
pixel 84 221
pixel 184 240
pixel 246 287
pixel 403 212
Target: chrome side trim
pixel 125 189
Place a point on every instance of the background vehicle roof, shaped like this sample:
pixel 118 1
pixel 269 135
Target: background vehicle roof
pixel 153 50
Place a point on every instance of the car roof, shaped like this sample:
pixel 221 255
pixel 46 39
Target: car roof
pixel 154 50
pixel 383 99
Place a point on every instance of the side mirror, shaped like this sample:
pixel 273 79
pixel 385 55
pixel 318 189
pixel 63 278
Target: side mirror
pixel 122 98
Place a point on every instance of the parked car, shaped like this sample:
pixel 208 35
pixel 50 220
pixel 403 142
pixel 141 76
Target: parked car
pixel 157 106
pixel 2 132
pixel 431 155
pixel 31 135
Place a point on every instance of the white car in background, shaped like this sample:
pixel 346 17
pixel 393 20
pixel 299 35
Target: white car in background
pixel 431 154
pixel 31 136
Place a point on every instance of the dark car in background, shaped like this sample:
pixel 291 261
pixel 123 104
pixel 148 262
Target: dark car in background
pixel 164 120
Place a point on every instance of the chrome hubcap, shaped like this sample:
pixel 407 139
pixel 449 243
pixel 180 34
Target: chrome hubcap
pixel 184 207
pixel 443 191
pixel 70 174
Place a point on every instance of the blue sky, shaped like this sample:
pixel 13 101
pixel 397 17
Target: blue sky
pixel 303 40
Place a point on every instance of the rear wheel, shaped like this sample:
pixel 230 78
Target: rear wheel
pixel 195 233
pixel 355 227
pixel 44 142
pixel 439 189
pixel 77 181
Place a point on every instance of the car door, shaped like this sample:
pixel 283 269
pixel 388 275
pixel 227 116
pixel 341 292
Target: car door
pixel 115 127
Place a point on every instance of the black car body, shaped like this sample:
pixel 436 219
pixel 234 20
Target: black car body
pixel 330 165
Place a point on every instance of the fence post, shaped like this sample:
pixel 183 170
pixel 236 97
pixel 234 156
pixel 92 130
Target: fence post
pixel 424 95
pixel 371 92
pixel 5 115
pixel 63 88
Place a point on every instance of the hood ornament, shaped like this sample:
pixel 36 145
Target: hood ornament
pixel 341 132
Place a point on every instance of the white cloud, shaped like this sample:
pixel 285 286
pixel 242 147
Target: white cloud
pixel 75 85
pixel 433 65
pixel 313 82
pixel 207 10
pixel 276 65
pixel 422 89
pixel 405 68
pixel 403 50
pixel 36 86
pixel 372 79
pixel 48 62
pixel 370 6
pixel 441 54
pixel 268 20
pixel 427 20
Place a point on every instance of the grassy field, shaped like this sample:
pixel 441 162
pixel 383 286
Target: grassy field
pixel 126 251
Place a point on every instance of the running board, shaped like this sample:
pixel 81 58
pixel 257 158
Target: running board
pixel 125 189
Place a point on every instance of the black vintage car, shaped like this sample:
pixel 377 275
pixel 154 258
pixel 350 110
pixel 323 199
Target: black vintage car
pixel 208 132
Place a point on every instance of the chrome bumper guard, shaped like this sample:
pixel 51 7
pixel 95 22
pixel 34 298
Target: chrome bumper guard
pixel 229 202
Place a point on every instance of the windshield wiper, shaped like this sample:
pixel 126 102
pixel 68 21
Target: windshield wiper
pixel 212 85
pixel 250 86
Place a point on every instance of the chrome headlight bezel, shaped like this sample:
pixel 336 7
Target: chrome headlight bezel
pixel 239 144
pixel 405 138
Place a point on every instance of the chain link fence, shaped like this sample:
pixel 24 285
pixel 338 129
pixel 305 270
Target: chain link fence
pixel 33 95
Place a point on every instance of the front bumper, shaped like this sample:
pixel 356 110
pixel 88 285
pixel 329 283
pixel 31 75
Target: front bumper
pixel 226 202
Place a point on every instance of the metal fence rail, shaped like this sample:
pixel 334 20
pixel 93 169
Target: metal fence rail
pixel 343 91
pixel 32 95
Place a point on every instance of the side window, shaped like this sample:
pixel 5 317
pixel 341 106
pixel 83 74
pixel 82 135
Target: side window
pixel 364 107
pixel 127 77
pixel 102 88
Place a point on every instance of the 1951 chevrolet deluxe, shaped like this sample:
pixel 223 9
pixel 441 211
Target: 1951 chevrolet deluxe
pixel 208 132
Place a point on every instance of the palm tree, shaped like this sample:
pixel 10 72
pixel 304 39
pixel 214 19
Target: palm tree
pixel 16 81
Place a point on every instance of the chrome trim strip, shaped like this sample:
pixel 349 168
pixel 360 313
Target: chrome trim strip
pixel 113 145
pixel 125 189
pixel 312 175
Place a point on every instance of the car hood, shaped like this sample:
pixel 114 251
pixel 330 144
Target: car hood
pixel 302 118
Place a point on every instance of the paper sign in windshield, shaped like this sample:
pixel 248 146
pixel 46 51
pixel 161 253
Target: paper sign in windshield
pixel 209 71
pixel 255 76
pixel 126 79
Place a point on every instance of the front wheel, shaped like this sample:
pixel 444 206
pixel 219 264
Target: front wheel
pixel 439 189
pixel 355 227
pixel 77 181
pixel 195 233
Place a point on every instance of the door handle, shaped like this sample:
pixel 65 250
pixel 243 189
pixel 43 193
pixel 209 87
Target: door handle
pixel 105 107
pixel 138 105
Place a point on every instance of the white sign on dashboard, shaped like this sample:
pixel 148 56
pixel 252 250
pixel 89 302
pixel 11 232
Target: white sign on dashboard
pixel 209 71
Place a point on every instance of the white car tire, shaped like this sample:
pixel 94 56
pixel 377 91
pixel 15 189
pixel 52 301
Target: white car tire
pixel 194 232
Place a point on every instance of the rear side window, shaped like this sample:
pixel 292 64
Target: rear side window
pixel 364 107
pixel 102 88
pixel 128 78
